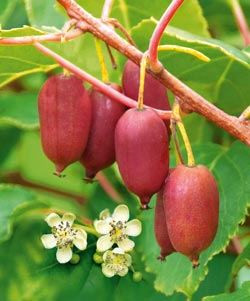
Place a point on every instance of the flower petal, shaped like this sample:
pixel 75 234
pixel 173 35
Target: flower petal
pixel 118 251
pixel 80 232
pixel 102 226
pixel 64 255
pixel 104 214
pixel 53 219
pixel 121 213
pixel 48 241
pixel 128 259
pixel 123 271
pixel 108 254
pixel 80 243
pixel 107 271
pixel 69 217
pixel 133 228
pixel 104 243
pixel 126 244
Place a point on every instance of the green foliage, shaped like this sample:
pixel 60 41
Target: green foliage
pixel 30 272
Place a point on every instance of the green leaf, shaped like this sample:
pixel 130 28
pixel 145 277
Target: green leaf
pixel 32 273
pixel 14 200
pixel 223 25
pixel 17 61
pixel 216 280
pixel 230 167
pixel 241 295
pixel 9 138
pixel 44 14
pixel 40 169
pixel 6 8
pixel 217 80
pixel 130 12
pixel 242 260
pixel 19 109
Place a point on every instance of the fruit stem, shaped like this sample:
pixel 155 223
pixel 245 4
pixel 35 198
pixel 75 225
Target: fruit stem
pixel 104 72
pixel 177 119
pixel 191 51
pixel 155 65
pixel 245 114
pixel 143 66
pixel 241 21
pixel 179 158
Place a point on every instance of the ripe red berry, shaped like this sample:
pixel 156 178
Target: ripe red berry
pixel 155 94
pixel 160 228
pixel 142 152
pixel 65 113
pixel 100 150
pixel 191 203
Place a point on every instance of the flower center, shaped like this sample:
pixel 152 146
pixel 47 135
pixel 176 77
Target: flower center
pixel 116 263
pixel 64 234
pixel 116 232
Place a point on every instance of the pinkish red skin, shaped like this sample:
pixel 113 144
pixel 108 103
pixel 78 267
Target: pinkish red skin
pixel 160 228
pixel 100 150
pixel 65 114
pixel 155 94
pixel 142 152
pixel 191 203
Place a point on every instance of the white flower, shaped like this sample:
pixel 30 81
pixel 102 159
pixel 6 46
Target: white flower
pixel 116 262
pixel 64 236
pixel 116 230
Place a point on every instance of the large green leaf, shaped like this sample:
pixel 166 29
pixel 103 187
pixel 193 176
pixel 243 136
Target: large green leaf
pixel 222 23
pixel 32 272
pixel 217 80
pixel 241 295
pixel 230 167
pixel 14 200
pixel 6 8
pixel 19 109
pixel 17 61
pixel 44 14
pixel 9 137
pixel 131 12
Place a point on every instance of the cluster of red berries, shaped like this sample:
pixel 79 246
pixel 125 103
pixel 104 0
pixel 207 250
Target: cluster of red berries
pixel 77 125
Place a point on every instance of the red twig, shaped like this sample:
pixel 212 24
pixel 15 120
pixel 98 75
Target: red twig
pixel 155 65
pixel 50 37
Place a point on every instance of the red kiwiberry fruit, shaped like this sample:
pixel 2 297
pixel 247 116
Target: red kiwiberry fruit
pixel 191 203
pixel 100 150
pixel 65 114
pixel 160 228
pixel 142 152
pixel 155 94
